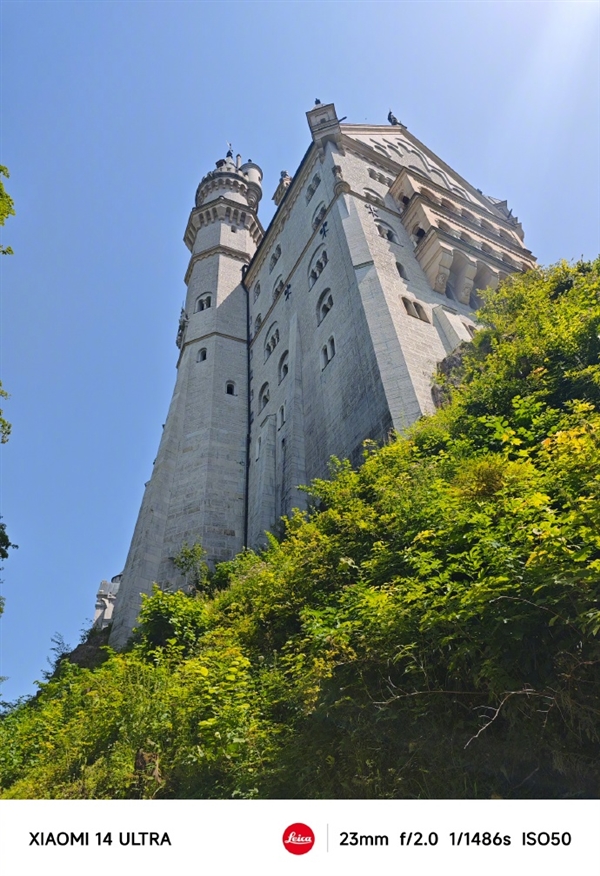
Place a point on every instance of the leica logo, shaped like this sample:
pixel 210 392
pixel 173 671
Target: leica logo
pixel 294 838
pixel 298 838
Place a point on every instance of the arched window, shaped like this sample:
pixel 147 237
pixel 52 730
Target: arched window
pixel 374 197
pixel 257 323
pixel 283 366
pixel 386 232
pixel 274 258
pixel 318 215
pixel 312 187
pixel 263 398
pixel 324 305
pixel 230 387
pixel 409 307
pixel 421 312
pixel 256 291
pixel 271 340
pixel 258 443
pixel 317 265
pixel 417 235
pixel 201 357
pixel 278 288
pixel 281 416
pixel 203 302
pixel 401 270
pixel 328 352
pixel 470 329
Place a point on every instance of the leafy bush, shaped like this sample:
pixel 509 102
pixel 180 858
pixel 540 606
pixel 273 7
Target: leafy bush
pixel 432 631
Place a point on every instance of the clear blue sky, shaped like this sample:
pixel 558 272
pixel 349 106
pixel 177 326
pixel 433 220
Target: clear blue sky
pixel 111 114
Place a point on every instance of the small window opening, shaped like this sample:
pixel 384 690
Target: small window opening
pixel 283 366
pixel 203 303
pixel 401 270
pixel 409 307
pixel 201 357
pixel 324 305
pixel 230 388
pixel 421 312
pixel 263 397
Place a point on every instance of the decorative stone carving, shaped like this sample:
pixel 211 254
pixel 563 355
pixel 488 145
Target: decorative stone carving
pixel 441 280
pixel 183 321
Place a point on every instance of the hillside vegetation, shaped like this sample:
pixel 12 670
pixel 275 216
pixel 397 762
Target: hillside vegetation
pixel 431 629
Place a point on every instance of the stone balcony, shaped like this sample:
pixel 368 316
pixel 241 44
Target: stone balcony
pixel 461 246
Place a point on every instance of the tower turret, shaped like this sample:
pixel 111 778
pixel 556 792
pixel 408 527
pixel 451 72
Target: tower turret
pixel 197 489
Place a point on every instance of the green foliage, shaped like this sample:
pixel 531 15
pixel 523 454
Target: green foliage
pixel 191 561
pixel 7 207
pixel 432 631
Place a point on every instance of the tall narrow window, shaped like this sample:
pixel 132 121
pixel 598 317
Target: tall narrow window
pixel 274 258
pixel 271 340
pixel 281 416
pixel 230 387
pixel 283 366
pixel 421 312
pixel 319 215
pixel 409 307
pixel 401 270
pixel 327 352
pixel 324 305
pixel 263 399
pixel 317 265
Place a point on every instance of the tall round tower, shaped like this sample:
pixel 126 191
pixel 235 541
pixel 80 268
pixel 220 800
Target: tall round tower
pixel 197 489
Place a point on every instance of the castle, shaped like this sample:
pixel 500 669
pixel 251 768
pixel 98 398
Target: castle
pixel 302 341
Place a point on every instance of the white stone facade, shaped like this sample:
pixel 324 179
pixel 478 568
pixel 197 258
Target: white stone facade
pixel 301 342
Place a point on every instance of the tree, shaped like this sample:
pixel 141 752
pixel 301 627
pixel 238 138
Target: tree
pixel 7 207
